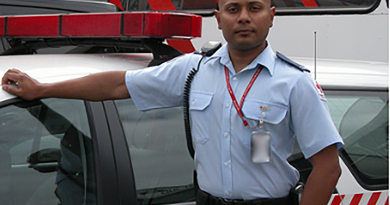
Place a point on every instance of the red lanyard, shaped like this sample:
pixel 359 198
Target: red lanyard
pixel 229 87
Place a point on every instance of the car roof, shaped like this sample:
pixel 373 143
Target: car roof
pixel 54 68
pixel 348 74
pixel 330 74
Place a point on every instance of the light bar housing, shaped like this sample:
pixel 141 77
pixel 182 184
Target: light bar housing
pixel 119 24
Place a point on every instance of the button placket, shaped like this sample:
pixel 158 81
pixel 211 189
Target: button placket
pixel 226 141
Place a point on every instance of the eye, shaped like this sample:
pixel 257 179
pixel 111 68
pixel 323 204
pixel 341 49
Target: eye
pixel 255 8
pixel 232 9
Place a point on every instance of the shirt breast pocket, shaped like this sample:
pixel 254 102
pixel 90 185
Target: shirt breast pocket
pixel 271 113
pixel 199 102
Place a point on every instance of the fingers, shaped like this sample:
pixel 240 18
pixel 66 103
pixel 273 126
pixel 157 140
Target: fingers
pixel 11 76
pixel 13 90
pixel 12 81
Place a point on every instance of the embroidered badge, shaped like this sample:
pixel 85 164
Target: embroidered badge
pixel 265 108
pixel 320 91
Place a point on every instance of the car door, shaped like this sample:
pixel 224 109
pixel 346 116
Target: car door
pixel 161 163
pixel 57 151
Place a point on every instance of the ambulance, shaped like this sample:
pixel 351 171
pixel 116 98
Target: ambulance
pixel 57 151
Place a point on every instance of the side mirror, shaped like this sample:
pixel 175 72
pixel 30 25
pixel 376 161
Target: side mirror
pixel 45 160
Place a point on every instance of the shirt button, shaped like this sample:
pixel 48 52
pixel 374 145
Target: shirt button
pixel 263 114
pixel 226 163
pixel 234 78
pixel 226 134
pixel 227 193
pixel 227 105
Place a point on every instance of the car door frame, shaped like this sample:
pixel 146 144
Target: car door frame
pixel 114 173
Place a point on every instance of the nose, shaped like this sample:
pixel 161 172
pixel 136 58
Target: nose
pixel 244 16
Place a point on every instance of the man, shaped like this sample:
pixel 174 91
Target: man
pixel 279 101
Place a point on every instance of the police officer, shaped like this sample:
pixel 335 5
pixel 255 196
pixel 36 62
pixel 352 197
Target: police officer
pixel 246 105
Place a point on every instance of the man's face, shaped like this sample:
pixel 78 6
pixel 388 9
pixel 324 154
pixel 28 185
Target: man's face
pixel 245 23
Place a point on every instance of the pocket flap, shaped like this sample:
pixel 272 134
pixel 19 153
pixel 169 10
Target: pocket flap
pixel 270 112
pixel 200 100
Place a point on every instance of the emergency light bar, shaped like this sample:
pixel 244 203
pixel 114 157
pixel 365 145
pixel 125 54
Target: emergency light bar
pixel 134 24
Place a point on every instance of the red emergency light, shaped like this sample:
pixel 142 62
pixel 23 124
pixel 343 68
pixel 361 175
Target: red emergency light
pixel 121 24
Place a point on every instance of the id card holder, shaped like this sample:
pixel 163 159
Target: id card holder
pixel 260 147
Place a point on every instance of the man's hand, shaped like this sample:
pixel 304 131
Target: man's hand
pixel 20 84
pixel 98 86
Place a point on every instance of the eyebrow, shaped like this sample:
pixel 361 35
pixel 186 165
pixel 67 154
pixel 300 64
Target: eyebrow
pixel 237 4
pixel 231 4
pixel 256 2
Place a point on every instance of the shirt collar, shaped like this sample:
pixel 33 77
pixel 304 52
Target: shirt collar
pixel 266 59
pixel 222 54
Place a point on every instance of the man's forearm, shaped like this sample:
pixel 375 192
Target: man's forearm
pixel 323 178
pixel 99 86
pixel 319 188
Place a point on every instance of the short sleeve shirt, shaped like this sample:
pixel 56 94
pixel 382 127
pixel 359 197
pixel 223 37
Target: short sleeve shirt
pixel 285 97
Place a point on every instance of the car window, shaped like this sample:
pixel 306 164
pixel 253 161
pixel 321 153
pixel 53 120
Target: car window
pixel 362 119
pixel 12 10
pixel 46 153
pixel 144 5
pixel 162 165
pixel 290 7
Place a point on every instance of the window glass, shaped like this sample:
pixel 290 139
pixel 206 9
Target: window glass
pixel 162 165
pixel 46 153
pixel 300 6
pixel 322 4
pixel 143 5
pixel 15 10
pixel 363 122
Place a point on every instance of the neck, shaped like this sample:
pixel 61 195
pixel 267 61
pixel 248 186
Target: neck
pixel 241 58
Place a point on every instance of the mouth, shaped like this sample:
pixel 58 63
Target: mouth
pixel 244 31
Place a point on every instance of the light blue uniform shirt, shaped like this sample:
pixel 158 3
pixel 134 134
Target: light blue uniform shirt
pixel 291 106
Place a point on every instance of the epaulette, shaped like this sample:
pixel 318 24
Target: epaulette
pixel 197 52
pixel 292 63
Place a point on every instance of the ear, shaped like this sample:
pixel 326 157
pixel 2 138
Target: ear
pixel 272 15
pixel 218 17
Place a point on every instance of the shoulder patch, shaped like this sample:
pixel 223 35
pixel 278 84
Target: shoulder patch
pixel 292 63
pixel 320 91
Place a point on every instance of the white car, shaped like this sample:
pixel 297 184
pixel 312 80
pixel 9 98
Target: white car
pixel 57 151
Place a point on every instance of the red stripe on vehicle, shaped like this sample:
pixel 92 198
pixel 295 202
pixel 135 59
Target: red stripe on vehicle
pixel 2 26
pixel 117 3
pixel 356 199
pixel 183 45
pixel 337 199
pixel 161 5
pixel 374 198
pixel 309 3
pixel 387 201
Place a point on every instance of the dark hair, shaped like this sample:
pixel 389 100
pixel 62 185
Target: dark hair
pixel 272 5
